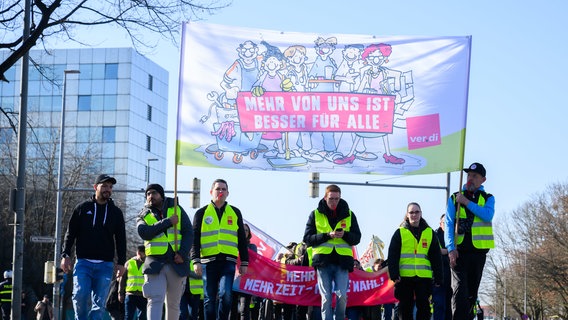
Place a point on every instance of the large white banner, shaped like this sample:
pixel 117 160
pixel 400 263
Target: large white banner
pixel 272 100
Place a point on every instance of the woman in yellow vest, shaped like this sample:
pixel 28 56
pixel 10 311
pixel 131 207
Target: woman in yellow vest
pixel 415 263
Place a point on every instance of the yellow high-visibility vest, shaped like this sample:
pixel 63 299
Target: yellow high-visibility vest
pixel 414 254
pixel 340 245
pixel 310 252
pixel 195 285
pixel 481 231
pixel 159 244
pixel 219 236
pixel 6 293
pixel 135 278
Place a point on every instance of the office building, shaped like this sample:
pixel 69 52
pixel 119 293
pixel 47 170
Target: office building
pixel 116 113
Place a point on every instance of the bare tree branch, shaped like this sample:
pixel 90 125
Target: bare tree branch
pixel 56 18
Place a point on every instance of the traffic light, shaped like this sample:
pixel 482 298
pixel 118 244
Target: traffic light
pixel 195 194
pixel 48 272
pixel 314 184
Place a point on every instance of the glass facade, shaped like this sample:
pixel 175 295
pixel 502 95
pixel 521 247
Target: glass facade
pixel 116 110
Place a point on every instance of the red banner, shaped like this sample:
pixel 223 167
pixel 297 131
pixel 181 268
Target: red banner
pixel 298 285
pixel 266 245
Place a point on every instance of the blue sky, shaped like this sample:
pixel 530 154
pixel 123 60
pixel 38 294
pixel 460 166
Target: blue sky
pixel 516 113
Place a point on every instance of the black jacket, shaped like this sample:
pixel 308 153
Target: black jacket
pixel 97 231
pixel 312 238
pixel 434 254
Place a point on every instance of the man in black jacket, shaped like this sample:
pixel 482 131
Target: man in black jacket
pixel 332 230
pixel 97 229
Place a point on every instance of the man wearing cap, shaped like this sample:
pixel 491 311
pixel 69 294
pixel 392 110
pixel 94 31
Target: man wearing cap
pixel 167 233
pixel 97 230
pixel 472 210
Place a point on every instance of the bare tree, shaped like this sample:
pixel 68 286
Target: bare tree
pixel 41 186
pixel 57 18
pixel 532 260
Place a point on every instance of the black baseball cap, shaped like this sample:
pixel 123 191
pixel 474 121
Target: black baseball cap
pixel 105 177
pixel 476 167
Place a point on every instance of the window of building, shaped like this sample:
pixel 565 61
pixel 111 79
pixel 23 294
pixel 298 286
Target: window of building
pixel 109 134
pixel 6 136
pixel 86 71
pixel 98 71
pixel 84 103
pixel 7 103
pixel 97 102
pixel 111 71
pixel 45 103
pixel 149 113
pixel 148 143
pixel 83 134
pixel 11 74
pixel 110 102
pixel 150 82
pixel 107 165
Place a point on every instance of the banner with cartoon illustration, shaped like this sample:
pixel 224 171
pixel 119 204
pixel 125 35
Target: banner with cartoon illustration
pixel 298 285
pixel 272 100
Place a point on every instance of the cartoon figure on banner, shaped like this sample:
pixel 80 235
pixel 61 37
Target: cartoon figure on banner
pixel 272 79
pixel 321 79
pixel 377 79
pixel 240 76
pixel 349 70
pixel 349 73
pixel 297 72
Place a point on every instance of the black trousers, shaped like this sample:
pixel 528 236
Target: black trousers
pixel 410 292
pixel 466 277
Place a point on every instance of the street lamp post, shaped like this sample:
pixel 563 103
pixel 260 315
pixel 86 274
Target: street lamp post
pixel 148 169
pixel 59 206
pixel 525 306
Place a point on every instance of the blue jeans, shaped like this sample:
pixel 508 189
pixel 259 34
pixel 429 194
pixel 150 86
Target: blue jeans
pixel 91 281
pixel 218 279
pixel 439 302
pixel 133 302
pixel 333 278
pixel 387 311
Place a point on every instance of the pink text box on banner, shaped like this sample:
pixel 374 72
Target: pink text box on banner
pixel 315 112
pixel 423 131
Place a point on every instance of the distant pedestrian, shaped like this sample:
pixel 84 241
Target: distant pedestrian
pixel 6 295
pixel 130 287
pixel 44 309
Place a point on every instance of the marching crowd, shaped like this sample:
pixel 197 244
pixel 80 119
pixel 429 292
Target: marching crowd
pixel 185 269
